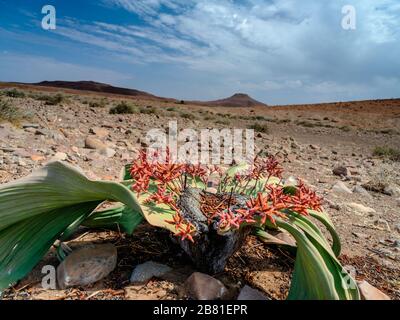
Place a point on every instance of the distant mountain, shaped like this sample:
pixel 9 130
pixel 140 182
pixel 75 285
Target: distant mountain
pixel 95 87
pixel 237 100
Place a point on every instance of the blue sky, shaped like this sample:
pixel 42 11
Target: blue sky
pixel 278 51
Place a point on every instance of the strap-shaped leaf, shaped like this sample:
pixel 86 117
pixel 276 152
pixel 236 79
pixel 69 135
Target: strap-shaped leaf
pixel 121 218
pixel 318 275
pixel 54 186
pixel 23 244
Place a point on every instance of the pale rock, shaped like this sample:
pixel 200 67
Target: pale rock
pixel 369 292
pixel 340 187
pixel 382 224
pixel 60 156
pixel 108 152
pixel 87 265
pixel 37 158
pixel 95 144
pixel 248 293
pixel 200 286
pixel 361 208
pixel 392 190
pixel 99 132
pixel 145 271
pixel 360 190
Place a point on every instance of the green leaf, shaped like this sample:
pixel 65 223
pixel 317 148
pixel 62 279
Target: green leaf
pixel 58 197
pixel 326 221
pixel 23 244
pixel 55 186
pixel 318 275
pixel 125 173
pixel 121 218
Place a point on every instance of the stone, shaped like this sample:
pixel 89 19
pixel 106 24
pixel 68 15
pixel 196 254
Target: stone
pixel 341 171
pixel 145 271
pixel 369 292
pixel 360 208
pixel 362 191
pixel 392 190
pixel 200 286
pixel 87 265
pixel 398 202
pixel 99 132
pixel 37 158
pixel 382 224
pixel 248 293
pixel 340 187
pixel 59 156
pixel 95 144
pixel 108 152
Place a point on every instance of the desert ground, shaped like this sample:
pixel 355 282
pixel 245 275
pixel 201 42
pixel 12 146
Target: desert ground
pixel 311 141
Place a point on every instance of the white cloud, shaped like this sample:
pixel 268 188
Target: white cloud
pixel 264 46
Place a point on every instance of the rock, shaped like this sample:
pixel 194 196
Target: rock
pixel 360 190
pixel 398 202
pixel 248 293
pixel 340 187
pixel 392 190
pixel 108 152
pixel 200 286
pixel 95 144
pixel 369 292
pixel 37 158
pixel 87 265
pixel 397 227
pixel 341 171
pixel 100 132
pixel 60 156
pixel 360 235
pixel 145 271
pixel 382 224
pixel 360 208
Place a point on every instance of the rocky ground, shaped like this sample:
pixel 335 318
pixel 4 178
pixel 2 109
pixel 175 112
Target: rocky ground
pixel 331 149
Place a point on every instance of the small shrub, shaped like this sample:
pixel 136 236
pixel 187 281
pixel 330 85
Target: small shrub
pixel 387 152
pixel 171 109
pixel 305 124
pixel 257 127
pixel 345 128
pixel 51 100
pixel 9 112
pixel 258 118
pixel 98 103
pixel 14 93
pixel 123 108
pixel 223 122
pixel 189 116
pixel 147 110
